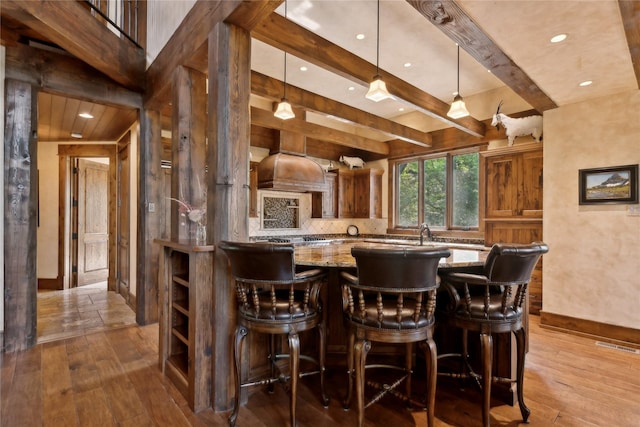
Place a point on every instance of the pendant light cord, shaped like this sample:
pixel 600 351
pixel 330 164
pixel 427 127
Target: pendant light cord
pixel 284 83
pixel 458 93
pixel 378 40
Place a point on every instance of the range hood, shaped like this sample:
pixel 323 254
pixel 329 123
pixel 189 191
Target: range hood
pixel 288 168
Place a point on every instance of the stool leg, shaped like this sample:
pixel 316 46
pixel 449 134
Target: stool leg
pixel 431 358
pixel 350 373
pixel 321 361
pixel 241 333
pixel 272 361
pixel 294 361
pixel 520 344
pixel 486 343
pixel 362 348
pixel 408 364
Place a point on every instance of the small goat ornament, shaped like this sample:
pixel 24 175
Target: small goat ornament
pixel 514 127
pixel 352 162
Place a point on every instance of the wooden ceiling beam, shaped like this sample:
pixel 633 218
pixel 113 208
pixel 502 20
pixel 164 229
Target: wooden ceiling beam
pixel 271 88
pixel 630 11
pixel 453 21
pixel 69 25
pixel 66 76
pixel 266 119
pixel 285 35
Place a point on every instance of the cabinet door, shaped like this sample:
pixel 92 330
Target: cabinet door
pixel 502 186
pixel 530 201
pixel 362 192
pixel 346 208
pixel 253 189
pixel 325 204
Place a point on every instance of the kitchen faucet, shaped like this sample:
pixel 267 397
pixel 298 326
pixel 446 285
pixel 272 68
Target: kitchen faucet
pixel 425 227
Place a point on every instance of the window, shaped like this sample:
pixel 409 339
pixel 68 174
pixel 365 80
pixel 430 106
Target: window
pixel 442 191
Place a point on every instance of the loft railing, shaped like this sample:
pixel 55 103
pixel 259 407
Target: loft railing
pixel 120 16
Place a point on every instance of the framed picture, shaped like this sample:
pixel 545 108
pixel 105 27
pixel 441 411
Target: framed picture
pixel 617 184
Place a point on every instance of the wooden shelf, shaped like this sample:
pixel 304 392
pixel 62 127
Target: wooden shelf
pixel 185 319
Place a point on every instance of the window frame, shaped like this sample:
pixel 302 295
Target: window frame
pixel 395 182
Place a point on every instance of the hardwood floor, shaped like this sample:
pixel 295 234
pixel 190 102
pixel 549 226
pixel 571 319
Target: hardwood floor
pixel 111 378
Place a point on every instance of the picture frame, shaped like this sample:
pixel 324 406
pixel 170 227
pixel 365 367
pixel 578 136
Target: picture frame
pixel 609 185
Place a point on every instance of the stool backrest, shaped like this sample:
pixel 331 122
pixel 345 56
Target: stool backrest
pixel 272 262
pixel 513 263
pixel 398 267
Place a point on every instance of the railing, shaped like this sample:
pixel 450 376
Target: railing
pixel 120 16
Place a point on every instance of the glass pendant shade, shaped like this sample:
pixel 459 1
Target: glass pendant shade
pixel 284 110
pixel 377 90
pixel 458 109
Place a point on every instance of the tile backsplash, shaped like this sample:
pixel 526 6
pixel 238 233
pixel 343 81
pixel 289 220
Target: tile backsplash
pixel 310 225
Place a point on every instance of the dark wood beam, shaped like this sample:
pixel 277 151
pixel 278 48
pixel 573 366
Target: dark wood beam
pixel 292 38
pixel 69 25
pixel 630 11
pixel 266 119
pixel 459 27
pixel 66 76
pixel 188 44
pixel 271 88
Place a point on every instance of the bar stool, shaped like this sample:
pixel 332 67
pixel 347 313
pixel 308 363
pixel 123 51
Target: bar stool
pixel 273 299
pixel 491 303
pixel 392 300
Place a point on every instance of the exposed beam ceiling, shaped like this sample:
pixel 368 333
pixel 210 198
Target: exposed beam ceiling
pixel 454 22
pixel 292 38
pixel 271 88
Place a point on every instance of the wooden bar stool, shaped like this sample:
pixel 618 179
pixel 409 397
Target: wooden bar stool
pixel 392 300
pixel 273 299
pixel 491 303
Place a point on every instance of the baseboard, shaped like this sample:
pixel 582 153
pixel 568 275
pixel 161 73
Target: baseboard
pixel 588 328
pixel 129 298
pixel 50 284
pixel 133 302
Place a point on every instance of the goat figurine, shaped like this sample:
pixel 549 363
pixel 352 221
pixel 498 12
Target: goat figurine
pixel 352 162
pixel 514 127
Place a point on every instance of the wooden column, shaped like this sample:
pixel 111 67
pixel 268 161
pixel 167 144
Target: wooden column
pixel 188 182
pixel 229 134
pixel 20 188
pixel 150 216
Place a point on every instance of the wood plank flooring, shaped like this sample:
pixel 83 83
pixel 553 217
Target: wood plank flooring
pixel 111 378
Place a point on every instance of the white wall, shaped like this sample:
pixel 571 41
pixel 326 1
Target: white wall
pixel 163 18
pixel 592 270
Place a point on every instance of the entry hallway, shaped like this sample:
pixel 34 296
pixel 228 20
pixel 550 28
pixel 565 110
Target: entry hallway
pixel 111 378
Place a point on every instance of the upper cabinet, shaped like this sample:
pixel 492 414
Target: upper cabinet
pixel 514 184
pixel 352 193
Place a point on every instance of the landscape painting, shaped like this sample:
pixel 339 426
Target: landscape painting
pixel 609 185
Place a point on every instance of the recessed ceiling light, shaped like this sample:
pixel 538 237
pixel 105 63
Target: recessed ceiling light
pixel 352 88
pixel 303 68
pixel 360 36
pixel 76 135
pixel 86 115
pixel 407 64
pixel 401 109
pixel 558 38
pixel 586 83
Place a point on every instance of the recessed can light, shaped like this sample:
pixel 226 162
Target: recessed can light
pixel 558 38
pixel 586 83
pixel 303 68
pixel 86 115
pixel 360 36
pixel 76 135
pixel 407 64
pixel 352 88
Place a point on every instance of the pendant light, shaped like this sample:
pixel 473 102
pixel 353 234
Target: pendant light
pixel 378 89
pixel 284 110
pixel 458 109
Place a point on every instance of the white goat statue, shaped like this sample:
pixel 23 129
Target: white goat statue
pixel 514 127
pixel 352 162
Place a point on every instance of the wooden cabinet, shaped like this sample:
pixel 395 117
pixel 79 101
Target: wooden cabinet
pixel 513 204
pixel 325 204
pixel 360 193
pixel 185 277
pixel 253 190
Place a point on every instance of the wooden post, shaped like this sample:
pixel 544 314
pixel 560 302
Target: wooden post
pixel 229 130
pixel 188 182
pixel 20 188
pixel 150 216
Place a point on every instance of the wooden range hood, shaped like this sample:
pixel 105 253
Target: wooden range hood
pixel 289 169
